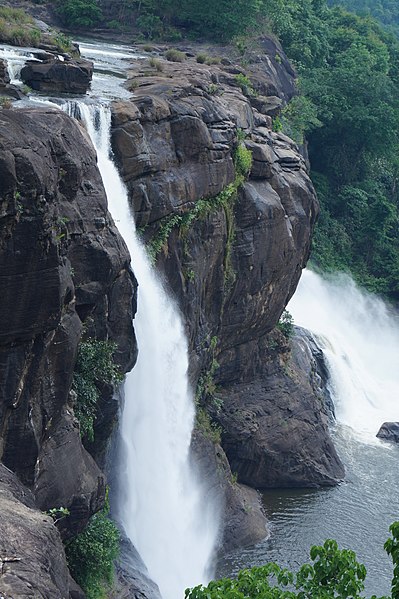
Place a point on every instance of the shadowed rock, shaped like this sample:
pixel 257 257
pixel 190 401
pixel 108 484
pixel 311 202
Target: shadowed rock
pixel 56 76
pixel 389 431
pixel 62 263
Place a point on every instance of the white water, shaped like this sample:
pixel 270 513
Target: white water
pixel 163 508
pixel 16 58
pixel 359 336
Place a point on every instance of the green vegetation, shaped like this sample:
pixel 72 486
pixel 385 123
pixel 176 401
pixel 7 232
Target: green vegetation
pixel 386 11
pixel 205 424
pixel 92 553
pixel 174 55
pixel 17 27
pixel 79 13
pixel 245 84
pixel 156 64
pixel 286 324
pixel 203 208
pixel 94 366
pixel 332 573
pixel 349 111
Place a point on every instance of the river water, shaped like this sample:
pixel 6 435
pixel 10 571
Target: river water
pixel 360 338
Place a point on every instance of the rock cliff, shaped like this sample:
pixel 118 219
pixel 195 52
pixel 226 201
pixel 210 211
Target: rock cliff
pixel 63 265
pixel 236 264
pixel 230 249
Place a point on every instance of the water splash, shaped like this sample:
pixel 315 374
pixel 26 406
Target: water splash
pixel 16 59
pixel 162 507
pixel 359 336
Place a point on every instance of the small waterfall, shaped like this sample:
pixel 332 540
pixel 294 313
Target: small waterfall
pixel 16 59
pixel 163 507
pixel 359 336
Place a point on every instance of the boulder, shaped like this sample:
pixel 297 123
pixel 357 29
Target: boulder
pixel 4 76
pixel 32 558
pixel 389 431
pixel 275 424
pixel 56 76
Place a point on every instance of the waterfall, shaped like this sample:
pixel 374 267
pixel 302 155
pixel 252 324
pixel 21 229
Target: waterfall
pixel 359 336
pixel 163 507
pixel 16 59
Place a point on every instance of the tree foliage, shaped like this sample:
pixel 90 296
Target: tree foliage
pixel 349 111
pixel 92 553
pixel 332 573
pixel 94 366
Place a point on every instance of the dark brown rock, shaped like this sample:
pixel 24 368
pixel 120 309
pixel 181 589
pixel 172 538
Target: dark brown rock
pixel 56 76
pixel 4 76
pixel 32 557
pixel 275 424
pixel 242 518
pixel 131 576
pixel 62 262
pixel 389 431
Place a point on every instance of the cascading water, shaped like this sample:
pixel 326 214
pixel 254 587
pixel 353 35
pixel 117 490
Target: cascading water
pixel 359 336
pixel 162 507
pixel 360 340
pixel 16 59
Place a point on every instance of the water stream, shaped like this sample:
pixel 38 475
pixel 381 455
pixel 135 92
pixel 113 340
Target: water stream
pixel 162 506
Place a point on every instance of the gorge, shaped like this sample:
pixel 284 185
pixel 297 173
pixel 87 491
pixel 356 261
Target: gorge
pixel 174 144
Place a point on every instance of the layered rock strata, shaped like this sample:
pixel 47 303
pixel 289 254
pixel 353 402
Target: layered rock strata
pixel 63 265
pixel 233 269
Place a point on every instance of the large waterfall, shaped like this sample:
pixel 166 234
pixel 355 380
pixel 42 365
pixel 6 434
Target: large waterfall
pixel 163 506
pixel 359 336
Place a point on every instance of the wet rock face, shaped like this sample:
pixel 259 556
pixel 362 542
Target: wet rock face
pixel 56 76
pixel 242 520
pixel 233 271
pixel 62 262
pixel 32 557
pixel 389 431
pixel 175 144
pixel 275 424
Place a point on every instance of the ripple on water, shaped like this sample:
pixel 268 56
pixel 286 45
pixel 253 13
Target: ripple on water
pixel 357 513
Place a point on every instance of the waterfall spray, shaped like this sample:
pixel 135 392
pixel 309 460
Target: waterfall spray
pixel 163 506
pixel 359 336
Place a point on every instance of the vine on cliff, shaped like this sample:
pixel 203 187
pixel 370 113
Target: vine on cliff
pixel 202 209
pixel 94 365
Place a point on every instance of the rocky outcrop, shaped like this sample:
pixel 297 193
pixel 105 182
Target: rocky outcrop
pixel 235 267
pixel 6 89
pixel 62 265
pixel 32 558
pixel 275 424
pixel 58 76
pixel 389 431
pixel 131 576
pixel 242 518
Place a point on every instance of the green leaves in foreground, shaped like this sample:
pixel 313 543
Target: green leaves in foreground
pixel 332 573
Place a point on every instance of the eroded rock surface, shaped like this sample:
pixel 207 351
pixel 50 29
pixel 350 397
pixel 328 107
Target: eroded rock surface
pixel 275 424
pixel 62 263
pixel 32 558
pixel 389 431
pixel 56 76
pixel 233 272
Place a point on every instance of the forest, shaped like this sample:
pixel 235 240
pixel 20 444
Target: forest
pixel 347 106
